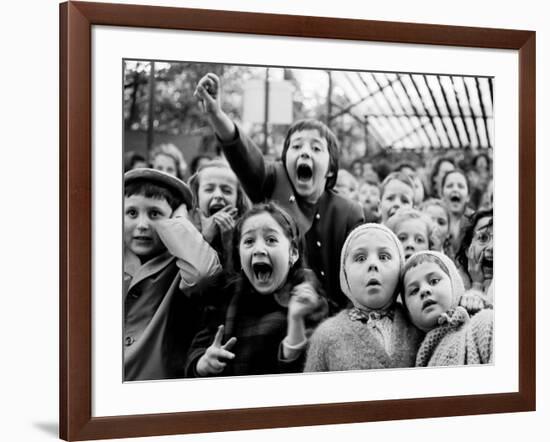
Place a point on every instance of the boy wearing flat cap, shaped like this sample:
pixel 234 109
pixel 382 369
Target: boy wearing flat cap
pixel 164 255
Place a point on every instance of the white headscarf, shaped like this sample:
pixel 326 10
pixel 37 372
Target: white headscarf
pixel 358 231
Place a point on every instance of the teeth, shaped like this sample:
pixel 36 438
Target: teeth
pixel 262 271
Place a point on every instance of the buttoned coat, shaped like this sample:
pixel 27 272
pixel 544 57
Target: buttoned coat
pixel 159 321
pixel 323 226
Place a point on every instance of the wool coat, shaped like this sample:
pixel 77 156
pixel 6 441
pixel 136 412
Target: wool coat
pixel 323 226
pixel 459 341
pixel 341 343
pixel 161 315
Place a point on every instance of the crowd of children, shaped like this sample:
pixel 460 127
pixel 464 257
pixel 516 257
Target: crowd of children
pixel 255 267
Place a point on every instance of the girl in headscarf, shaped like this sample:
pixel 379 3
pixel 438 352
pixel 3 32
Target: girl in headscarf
pixel 375 332
pixel 432 291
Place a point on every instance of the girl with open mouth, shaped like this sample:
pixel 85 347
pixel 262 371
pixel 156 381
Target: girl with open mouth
pixel 219 200
pixel 258 320
pixel 375 332
pixel 455 190
pixel 301 182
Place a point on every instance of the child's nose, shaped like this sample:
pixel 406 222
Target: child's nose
pixel 372 266
pixel 425 291
pixel 259 249
pixel 142 222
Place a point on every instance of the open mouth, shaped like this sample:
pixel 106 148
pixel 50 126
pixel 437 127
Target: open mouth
pixel 373 282
pixel 262 271
pixel 428 303
pixel 487 266
pixel 216 207
pixel 304 172
pixel 455 199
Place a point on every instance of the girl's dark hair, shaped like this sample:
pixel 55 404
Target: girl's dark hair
pixel 130 160
pixel 243 203
pixel 405 165
pixel 467 235
pixel 332 144
pixel 195 163
pixel 288 226
pixel 152 190
pixel 435 171
pixel 460 172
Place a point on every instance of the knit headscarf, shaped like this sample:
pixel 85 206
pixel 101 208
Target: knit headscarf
pixel 446 264
pixel 449 321
pixel 354 234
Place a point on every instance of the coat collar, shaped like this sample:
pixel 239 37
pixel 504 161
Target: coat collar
pixel 138 272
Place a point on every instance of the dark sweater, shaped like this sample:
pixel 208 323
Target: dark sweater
pixel 259 322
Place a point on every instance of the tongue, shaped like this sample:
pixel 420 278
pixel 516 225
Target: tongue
pixel 263 276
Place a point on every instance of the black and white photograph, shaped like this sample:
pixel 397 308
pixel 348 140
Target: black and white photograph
pixel 286 220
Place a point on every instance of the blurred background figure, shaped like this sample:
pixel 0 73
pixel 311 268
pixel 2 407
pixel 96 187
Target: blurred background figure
pixel 133 160
pixel 168 158
pixel 346 185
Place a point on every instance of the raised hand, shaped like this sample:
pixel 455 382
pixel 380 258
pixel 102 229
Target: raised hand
pixel 475 269
pixel 222 221
pixel 215 359
pixel 208 91
pixel 304 300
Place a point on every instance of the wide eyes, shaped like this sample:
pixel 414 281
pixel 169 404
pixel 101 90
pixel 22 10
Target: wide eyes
pixel 483 237
pixel 361 257
pixel 132 213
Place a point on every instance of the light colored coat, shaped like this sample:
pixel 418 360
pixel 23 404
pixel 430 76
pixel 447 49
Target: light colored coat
pixel 341 343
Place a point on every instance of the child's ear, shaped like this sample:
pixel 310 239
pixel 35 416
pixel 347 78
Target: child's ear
pixel 294 255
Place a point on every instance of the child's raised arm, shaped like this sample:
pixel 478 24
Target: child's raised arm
pixel 195 258
pixel 244 157
pixel 208 91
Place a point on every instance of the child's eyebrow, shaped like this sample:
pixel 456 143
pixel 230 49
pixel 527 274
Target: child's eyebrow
pixel 485 226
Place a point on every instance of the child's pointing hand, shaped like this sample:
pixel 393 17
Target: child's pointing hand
pixel 208 91
pixel 214 360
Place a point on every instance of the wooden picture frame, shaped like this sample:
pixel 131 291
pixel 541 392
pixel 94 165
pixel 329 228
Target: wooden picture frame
pixel 76 21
